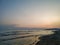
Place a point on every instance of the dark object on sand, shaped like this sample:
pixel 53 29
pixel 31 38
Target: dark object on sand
pixel 50 39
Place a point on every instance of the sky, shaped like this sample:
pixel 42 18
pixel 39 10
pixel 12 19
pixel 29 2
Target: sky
pixel 30 13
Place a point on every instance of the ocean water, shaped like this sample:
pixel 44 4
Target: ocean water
pixel 22 37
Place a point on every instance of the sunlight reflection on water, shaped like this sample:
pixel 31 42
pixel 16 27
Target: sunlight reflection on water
pixel 13 37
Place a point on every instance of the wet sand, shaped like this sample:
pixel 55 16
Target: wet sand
pixel 53 39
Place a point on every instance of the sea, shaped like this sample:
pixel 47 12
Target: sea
pixel 22 37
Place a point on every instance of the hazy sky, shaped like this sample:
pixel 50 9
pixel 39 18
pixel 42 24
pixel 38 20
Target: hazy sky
pixel 31 13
